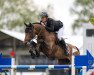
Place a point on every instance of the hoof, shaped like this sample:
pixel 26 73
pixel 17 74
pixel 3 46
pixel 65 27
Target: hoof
pixel 33 57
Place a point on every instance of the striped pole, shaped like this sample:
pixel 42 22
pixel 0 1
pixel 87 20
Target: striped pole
pixel 35 66
pixel 40 67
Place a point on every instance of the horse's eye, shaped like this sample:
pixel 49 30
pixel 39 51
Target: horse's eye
pixel 28 30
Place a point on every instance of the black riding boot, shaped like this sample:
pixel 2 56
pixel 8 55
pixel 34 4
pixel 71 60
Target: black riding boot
pixel 63 45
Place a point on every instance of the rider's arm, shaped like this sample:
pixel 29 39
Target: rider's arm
pixel 50 27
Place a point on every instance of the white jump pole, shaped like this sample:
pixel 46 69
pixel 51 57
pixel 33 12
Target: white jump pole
pixel 72 64
pixel 12 64
pixel 12 72
pixel 84 70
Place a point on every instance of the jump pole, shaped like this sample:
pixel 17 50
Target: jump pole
pixel 40 67
pixel 72 64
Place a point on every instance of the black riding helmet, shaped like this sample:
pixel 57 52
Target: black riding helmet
pixel 43 14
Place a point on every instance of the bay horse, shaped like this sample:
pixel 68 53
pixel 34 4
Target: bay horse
pixel 47 43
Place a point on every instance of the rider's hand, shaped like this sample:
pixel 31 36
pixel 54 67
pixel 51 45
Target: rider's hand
pixel 42 24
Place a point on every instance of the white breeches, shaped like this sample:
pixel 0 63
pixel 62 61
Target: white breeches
pixel 60 33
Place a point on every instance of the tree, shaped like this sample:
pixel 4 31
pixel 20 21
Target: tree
pixel 13 13
pixel 84 9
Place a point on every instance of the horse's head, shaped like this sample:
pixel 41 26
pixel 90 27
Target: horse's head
pixel 29 32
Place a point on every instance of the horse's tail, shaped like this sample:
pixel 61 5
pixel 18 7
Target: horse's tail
pixel 77 49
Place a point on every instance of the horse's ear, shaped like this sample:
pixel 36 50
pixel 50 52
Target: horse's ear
pixel 30 23
pixel 25 24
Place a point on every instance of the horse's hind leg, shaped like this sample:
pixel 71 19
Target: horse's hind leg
pixel 64 61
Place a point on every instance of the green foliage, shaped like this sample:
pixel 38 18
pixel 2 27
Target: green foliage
pixel 13 13
pixel 84 9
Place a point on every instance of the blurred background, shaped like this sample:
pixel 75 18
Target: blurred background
pixel 13 14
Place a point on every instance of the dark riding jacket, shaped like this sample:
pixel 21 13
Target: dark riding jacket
pixel 53 25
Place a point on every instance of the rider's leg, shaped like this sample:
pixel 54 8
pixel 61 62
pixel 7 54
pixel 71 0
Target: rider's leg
pixel 63 45
pixel 62 42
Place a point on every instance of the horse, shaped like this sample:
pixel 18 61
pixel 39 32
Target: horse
pixel 47 43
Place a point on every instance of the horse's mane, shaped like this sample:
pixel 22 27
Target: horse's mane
pixel 36 23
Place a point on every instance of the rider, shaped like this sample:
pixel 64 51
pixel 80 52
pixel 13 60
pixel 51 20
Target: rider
pixel 52 25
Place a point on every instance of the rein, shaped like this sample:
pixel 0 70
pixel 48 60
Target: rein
pixel 39 32
pixel 35 38
pixel 52 52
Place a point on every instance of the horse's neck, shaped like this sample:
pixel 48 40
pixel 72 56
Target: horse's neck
pixel 41 31
pixel 46 40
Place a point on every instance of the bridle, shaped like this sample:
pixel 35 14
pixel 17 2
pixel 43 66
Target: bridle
pixel 35 38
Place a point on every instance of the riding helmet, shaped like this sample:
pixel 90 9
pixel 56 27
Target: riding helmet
pixel 43 14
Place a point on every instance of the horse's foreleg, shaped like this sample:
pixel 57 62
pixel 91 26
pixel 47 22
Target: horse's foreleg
pixel 37 53
pixel 64 61
pixel 37 50
pixel 32 54
pixel 34 51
